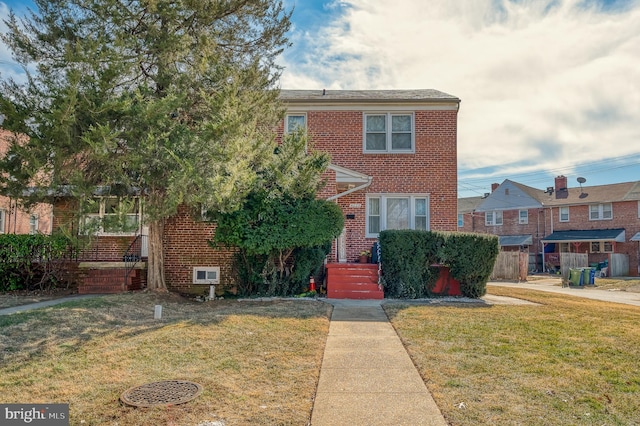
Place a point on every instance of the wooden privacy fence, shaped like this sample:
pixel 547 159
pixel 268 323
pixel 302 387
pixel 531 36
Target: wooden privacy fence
pixel 511 265
pixel 618 265
pixel 571 261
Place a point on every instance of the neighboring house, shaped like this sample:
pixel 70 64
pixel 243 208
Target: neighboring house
pixel 13 218
pixel 597 220
pixel 393 166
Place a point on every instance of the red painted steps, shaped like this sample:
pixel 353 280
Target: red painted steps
pixel 353 281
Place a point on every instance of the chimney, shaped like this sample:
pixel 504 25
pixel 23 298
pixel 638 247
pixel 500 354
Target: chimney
pixel 494 186
pixel 561 187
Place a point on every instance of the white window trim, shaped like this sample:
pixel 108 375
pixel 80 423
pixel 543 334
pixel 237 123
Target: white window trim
pixel 101 215
pixel 521 220
pixel 388 149
pixel 460 220
pixel 383 210
pixel 3 216
pixel 34 223
pixel 601 211
pixel 294 114
pixel 494 221
pixel 560 214
pixel 601 247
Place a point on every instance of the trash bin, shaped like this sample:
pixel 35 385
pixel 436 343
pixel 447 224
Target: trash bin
pixel 592 276
pixel 575 276
pixel 586 276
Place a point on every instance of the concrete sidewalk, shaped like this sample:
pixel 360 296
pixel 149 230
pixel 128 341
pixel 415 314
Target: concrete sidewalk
pixel 367 377
pixel 44 304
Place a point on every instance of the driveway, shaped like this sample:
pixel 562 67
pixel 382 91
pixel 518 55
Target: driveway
pixel 552 285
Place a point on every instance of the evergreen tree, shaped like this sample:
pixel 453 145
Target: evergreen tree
pixel 174 99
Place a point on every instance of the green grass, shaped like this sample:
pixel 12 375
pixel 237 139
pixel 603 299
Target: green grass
pixel 567 361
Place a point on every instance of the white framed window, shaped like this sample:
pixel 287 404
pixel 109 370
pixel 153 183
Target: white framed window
pixel 460 220
pixel 33 224
pixel 563 214
pixel 112 215
pixel 295 121
pixel 493 218
pixel 600 211
pixel 2 219
pixel 601 247
pixel 206 275
pixel 523 217
pixel 388 132
pixel 396 211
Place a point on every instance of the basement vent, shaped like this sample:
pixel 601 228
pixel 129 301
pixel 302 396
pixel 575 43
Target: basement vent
pixel 206 275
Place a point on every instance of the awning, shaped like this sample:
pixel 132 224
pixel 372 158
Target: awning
pixel 516 240
pixel 616 235
pixel 635 237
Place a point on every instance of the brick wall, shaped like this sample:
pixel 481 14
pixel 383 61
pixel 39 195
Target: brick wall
pixel 185 243
pixel 625 216
pixel 432 169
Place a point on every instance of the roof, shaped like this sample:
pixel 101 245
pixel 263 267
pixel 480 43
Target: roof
pixel 469 204
pixel 636 237
pixel 515 240
pixel 363 96
pixel 625 191
pixel 586 235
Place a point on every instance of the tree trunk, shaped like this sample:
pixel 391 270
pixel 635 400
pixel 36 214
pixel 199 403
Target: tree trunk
pixel 155 271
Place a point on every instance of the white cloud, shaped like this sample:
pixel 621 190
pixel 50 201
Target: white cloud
pixel 542 83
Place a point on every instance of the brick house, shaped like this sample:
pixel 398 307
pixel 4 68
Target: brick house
pixel 599 220
pixel 13 218
pixel 393 166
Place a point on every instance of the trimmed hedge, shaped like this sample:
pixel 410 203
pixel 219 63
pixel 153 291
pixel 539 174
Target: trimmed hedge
pixel 409 258
pixel 31 261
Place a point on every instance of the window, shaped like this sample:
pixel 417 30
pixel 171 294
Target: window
pixel 523 217
pixel 460 220
pixel 638 209
pixel 601 247
pixel 112 215
pixel 600 211
pixel 1 221
pixel 206 275
pixel 493 218
pixel 388 133
pixel 33 224
pixel 564 214
pixel 400 211
pixel 294 122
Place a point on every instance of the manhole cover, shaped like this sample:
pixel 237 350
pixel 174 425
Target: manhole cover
pixel 161 393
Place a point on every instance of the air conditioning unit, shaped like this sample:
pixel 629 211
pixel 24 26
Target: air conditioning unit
pixel 206 275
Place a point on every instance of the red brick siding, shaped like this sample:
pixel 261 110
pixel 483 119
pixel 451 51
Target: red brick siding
pixel 185 244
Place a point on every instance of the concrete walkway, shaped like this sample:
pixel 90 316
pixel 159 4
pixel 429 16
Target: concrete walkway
pixel 44 304
pixel 552 286
pixel 367 377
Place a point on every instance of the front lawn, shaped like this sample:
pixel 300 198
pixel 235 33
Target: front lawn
pixel 258 362
pixel 567 361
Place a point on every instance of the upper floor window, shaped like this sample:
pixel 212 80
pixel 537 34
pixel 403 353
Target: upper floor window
pixel 388 132
pixel 460 220
pixel 2 221
pixel 523 217
pixel 33 224
pixel 400 211
pixel 112 215
pixel 493 218
pixel 563 214
pixel 294 122
pixel 600 211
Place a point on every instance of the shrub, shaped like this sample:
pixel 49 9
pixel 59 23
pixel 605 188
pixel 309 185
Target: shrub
pixel 408 258
pixel 31 261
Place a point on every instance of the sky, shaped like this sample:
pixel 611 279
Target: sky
pixel 548 87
